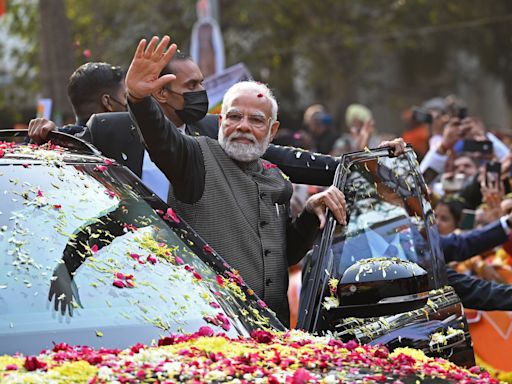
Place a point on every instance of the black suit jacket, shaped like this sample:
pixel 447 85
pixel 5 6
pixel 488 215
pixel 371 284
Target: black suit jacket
pixel 473 292
pixel 116 136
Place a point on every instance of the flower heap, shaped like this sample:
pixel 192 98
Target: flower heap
pixel 265 357
pixel 39 151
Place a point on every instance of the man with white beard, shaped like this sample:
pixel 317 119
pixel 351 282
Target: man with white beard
pixel 236 201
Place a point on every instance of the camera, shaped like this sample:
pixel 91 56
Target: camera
pixel 421 115
pixel 462 113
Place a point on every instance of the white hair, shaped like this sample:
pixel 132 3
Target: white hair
pixel 254 86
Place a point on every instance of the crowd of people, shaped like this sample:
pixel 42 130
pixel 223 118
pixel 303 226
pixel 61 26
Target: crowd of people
pixel 212 168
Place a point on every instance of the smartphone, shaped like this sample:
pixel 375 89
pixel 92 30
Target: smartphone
pixel 429 175
pixel 453 184
pixel 462 113
pixel 492 173
pixel 484 146
pixel 467 219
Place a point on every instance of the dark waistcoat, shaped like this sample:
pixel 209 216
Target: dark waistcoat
pixel 243 214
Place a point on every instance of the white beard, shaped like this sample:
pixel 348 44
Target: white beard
pixel 241 151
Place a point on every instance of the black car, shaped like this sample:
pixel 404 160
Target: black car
pixel 382 278
pixel 89 256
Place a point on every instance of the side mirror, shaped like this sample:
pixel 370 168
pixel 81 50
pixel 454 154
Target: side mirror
pixel 379 287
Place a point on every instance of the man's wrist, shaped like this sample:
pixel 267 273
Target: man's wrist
pixel 132 98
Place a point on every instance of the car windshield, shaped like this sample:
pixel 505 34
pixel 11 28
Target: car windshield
pixel 84 259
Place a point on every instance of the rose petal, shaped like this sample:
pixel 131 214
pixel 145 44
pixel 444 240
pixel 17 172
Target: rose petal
pixel 172 215
pixel 100 168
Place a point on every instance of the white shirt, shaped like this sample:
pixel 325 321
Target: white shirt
pixel 153 177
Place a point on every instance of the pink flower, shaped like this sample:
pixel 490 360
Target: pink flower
pixel 476 369
pixel 134 256
pixel 235 277
pixel 2 153
pixel 208 249
pixel 262 337
pixel 178 260
pixel 87 53
pixel 205 331
pixel 32 363
pixel 110 193
pixel 159 211
pixel 301 376
pixel 39 193
pixel 188 268
pixel 141 374
pixel 130 227
pixel 197 275
pixel 109 161
pixel 225 324
pixel 25 165
pixel 94 248
pixel 214 304
pixel 118 284
pixel 119 275
pixel 62 347
pixel 260 95
pixel 268 165
pixel 351 344
pixel 137 347
pixel 130 284
pixel 11 367
pixel 100 168
pixel 262 304
pixel 220 280
pixel 172 215
pixel 168 340
pixel 152 259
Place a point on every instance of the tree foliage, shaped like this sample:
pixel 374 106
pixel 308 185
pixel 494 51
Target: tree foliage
pixel 380 52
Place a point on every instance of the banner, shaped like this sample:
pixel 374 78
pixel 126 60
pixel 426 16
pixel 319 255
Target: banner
pixel 44 108
pixel 206 44
pixel 217 85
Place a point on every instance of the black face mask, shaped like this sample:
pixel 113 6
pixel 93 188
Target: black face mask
pixel 195 107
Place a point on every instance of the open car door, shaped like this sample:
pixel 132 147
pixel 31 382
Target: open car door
pixel 382 277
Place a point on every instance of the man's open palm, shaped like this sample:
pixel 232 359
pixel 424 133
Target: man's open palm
pixel 147 63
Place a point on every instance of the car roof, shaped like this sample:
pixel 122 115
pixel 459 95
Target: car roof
pixel 16 147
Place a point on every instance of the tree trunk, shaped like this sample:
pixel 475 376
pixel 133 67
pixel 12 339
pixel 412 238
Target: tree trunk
pixel 57 61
